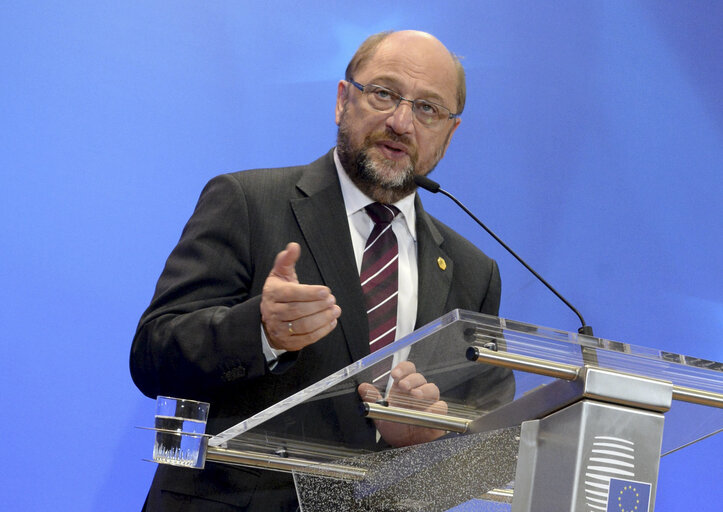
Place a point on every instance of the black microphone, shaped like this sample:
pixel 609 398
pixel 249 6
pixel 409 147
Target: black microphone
pixel 434 187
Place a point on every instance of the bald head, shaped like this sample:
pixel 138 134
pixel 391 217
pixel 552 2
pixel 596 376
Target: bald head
pixel 419 46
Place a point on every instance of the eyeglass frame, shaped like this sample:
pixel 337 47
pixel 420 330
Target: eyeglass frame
pixel 361 87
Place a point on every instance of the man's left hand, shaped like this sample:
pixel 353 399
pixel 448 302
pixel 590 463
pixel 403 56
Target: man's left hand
pixel 412 391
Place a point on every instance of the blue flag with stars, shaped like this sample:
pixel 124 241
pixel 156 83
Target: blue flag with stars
pixel 628 496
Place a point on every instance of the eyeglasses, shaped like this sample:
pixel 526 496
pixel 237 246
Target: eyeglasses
pixel 385 100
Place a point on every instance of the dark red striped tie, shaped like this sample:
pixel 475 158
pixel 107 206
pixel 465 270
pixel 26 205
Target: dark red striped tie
pixel 379 276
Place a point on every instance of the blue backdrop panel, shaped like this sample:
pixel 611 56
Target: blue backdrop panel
pixel 591 142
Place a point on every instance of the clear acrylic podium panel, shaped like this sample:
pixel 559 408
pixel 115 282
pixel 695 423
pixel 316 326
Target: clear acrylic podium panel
pixel 323 423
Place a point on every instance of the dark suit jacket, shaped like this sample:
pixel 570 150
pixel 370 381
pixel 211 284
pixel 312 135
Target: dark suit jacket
pixel 200 336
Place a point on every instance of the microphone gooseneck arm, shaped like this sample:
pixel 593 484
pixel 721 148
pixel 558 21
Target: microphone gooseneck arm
pixel 434 187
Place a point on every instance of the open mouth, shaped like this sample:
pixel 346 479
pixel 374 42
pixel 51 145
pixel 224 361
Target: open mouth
pixel 391 150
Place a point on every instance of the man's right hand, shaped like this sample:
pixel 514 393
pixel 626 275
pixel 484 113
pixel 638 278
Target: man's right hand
pixel 295 315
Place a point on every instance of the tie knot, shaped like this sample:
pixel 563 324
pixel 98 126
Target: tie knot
pixel 382 213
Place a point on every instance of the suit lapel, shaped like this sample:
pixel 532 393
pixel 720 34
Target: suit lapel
pixel 322 219
pixel 435 280
pixel 435 267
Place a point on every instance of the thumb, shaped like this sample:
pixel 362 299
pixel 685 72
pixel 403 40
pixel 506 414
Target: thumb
pixel 285 263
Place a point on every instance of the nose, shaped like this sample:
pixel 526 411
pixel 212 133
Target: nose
pixel 401 120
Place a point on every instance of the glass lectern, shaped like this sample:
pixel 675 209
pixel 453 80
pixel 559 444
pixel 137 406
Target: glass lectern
pixel 529 419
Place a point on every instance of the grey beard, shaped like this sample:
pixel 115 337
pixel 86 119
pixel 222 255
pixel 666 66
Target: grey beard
pixel 363 173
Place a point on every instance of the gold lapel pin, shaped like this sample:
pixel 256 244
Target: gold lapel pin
pixel 442 264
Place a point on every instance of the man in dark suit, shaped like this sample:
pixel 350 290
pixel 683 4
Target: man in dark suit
pixel 261 297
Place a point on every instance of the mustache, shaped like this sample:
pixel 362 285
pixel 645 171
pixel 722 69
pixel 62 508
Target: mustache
pixel 391 135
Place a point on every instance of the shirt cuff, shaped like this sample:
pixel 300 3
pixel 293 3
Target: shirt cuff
pixel 271 354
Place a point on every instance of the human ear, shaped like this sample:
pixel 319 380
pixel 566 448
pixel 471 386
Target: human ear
pixel 342 95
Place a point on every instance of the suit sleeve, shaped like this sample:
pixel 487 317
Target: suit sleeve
pixel 491 301
pixel 201 330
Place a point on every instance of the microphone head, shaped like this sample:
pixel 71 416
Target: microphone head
pixel 427 184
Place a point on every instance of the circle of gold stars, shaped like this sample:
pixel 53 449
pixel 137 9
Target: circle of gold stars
pixel 637 499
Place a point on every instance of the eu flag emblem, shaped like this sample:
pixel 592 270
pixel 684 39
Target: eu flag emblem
pixel 628 496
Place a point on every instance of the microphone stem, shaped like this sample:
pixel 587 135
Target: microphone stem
pixel 585 329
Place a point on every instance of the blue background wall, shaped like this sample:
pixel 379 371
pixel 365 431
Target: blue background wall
pixel 591 142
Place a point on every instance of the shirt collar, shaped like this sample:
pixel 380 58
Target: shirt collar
pixel 355 199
